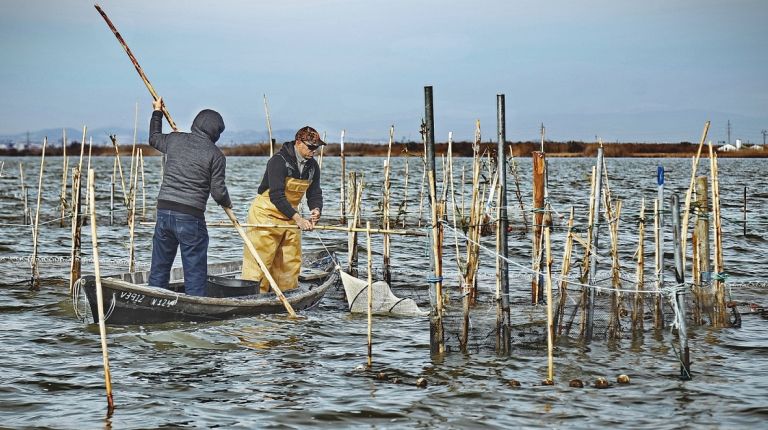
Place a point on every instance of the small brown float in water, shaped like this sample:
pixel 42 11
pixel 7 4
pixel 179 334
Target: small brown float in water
pixel 513 383
pixel 421 382
pixel 381 376
pixel 576 383
pixel 602 383
pixel 622 379
pixel 547 382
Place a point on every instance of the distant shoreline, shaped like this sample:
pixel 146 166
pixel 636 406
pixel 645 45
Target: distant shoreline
pixel 460 149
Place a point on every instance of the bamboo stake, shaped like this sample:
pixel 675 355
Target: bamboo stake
pixel 36 228
pixel 421 194
pixel 370 296
pixel 437 253
pixel 143 185
pixel 405 190
pixel 112 192
pixel 658 316
pixel 565 269
pixel 689 193
pixel 137 66
pixel 77 223
pixel 638 310
pixel 132 217
pixel 385 209
pixel 550 319
pixel 113 138
pixel 614 216
pixel 24 198
pixel 353 223
pixel 262 266
pixel 719 288
pixel 99 293
pixel 342 190
pixel 64 172
pixel 133 146
pixel 269 127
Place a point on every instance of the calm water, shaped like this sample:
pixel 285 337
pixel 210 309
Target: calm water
pixel 272 372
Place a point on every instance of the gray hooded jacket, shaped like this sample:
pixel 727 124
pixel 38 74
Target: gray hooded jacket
pixel 195 167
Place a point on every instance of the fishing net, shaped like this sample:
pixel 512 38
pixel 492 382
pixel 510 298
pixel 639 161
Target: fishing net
pixel 384 301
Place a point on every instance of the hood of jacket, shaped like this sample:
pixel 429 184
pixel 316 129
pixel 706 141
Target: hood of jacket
pixel 209 123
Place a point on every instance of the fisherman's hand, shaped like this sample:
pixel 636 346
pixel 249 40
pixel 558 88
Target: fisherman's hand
pixel 157 104
pixel 303 223
pixel 314 216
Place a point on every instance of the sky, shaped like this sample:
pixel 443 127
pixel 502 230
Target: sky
pixel 628 71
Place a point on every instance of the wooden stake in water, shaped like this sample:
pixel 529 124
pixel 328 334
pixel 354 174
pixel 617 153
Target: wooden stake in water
pixel 132 217
pixel 385 208
pixel 370 295
pixel 685 359
pixel 744 213
pixel 36 228
pixel 99 292
pixel 594 244
pixel 689 193
pixel 64 173
pixel 113 138
pixel 112 192
pixel 343 177
pixel 719 286
pixel 77 221
pixel 565 269
pixel 638 310
pixel 24 197
pixel 354 222
pixel 143 186
pixel 539 164
pixel 658 314
pixel 550 317
pixel 702 267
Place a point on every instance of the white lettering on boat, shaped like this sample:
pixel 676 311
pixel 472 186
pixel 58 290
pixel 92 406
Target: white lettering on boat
pixel 132 297
pixel 163 303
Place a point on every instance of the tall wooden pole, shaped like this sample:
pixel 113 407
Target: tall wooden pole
pixel 99 292
pixel 503 221
pixel 385 208
pixel 437 340
pixel 685 359
pixel 539 166
pixel 64 173
pixel 36 228
pixel 24 196
pixel 703 272
pixel 550 317
pixel 370 295
pixel 136 65
pixel 269 127
pixel 343 177
pixel 595 222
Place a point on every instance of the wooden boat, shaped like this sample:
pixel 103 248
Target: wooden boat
pixel 129 300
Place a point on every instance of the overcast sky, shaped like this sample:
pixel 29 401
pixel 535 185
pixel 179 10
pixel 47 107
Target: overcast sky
pixel 652 70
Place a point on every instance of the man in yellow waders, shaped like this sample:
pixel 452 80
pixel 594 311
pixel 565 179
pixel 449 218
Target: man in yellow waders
pixel 291 173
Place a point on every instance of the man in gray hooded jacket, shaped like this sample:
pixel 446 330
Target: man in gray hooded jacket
pixel 194 169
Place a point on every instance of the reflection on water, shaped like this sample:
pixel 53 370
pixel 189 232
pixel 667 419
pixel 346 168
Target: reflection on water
pixel 272 371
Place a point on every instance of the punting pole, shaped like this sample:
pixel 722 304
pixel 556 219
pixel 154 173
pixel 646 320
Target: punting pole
pixel 685 359
pixel 594 244
pixel 136 65
pixel 36 229
pixel 437 340
pixel 370 295
pixel 258 259
pixel 99 292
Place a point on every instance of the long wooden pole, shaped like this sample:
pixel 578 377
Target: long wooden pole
pixel 64 173
pixel 136 65
pixel 258 259
pixel 77 223
pixel 689 193
pixel 24 193
pixel 143 185
pixel 343 177
pixel 385 208
pixel 370 295
pixel 269 127
pixel 113 138
pixel 317 227
pixel 36 229
pixel 99 292
pixel 550 318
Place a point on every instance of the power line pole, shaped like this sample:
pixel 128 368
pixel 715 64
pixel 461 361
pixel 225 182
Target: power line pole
pixel 764 132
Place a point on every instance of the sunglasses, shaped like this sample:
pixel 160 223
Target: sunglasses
pixel 310 146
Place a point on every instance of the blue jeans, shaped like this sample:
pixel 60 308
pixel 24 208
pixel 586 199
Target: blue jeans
pixel 173 230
